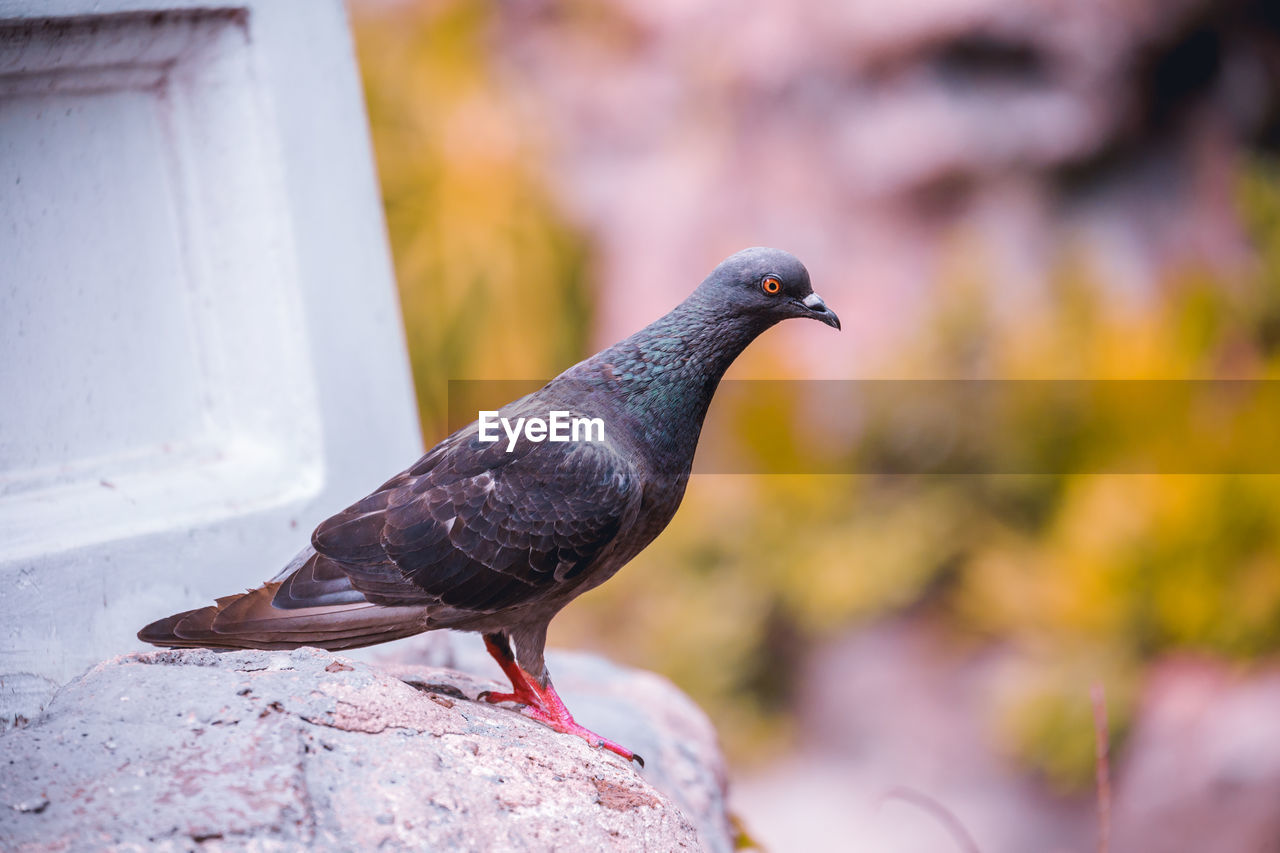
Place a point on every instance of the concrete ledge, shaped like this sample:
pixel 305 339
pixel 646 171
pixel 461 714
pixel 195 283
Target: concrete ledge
pixel 282 750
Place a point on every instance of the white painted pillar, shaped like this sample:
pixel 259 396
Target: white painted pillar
pixel 201 353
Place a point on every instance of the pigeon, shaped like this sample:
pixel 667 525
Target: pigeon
pixel 496 536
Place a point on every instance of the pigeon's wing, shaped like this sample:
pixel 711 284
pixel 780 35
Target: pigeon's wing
pixel 475 527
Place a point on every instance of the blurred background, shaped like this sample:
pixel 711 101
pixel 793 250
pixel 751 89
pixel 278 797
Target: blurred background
pixel 982 189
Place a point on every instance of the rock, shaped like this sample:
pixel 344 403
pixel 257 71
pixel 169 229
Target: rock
pixel 1201 770
pixel 280 750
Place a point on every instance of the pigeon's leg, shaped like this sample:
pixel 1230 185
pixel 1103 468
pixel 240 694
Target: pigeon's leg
pixel 523 686
pixel 542 703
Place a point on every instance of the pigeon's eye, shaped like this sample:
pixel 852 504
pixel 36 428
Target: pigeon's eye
pixel 770 285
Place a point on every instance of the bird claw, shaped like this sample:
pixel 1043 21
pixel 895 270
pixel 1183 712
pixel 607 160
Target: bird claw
pixel 562 722
pixel 541 702
pixel 494 698
pixel 567 725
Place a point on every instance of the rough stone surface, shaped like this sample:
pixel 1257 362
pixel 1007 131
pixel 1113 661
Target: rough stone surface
pixel 280 750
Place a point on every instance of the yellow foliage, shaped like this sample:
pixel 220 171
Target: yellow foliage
pixel 492 281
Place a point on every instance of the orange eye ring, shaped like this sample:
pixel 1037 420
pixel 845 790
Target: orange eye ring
pixel 770 285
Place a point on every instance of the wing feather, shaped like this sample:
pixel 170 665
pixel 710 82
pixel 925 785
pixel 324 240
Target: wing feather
pixel 475 528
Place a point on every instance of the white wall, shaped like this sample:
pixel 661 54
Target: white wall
pixel 201 353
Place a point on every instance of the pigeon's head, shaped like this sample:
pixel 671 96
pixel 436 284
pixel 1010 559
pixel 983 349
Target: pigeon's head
pixel 769 284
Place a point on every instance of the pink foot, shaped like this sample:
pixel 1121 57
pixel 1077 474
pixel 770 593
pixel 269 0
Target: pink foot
pixel 543 703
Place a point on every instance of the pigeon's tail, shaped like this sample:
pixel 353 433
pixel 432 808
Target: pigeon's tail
pixel 251 621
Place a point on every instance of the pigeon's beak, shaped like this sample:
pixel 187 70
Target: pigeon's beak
pixel 818 310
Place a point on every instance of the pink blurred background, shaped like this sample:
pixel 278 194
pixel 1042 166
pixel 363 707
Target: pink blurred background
pixel 955 174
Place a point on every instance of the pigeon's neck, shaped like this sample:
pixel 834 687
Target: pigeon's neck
pixel 694 345
pixel 666 374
